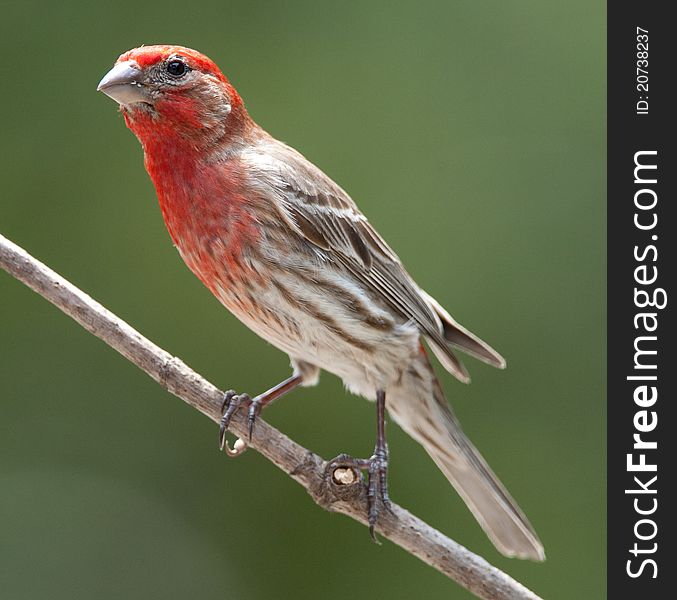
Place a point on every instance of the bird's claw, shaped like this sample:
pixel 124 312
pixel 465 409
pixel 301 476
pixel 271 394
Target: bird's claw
pixel 255 407
pixel 231 403
pixel 377 488
pixel 377 485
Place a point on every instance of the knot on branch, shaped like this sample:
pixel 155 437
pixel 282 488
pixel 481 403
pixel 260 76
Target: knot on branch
pixel 341 482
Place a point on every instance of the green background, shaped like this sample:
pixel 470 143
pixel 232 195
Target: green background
pixel 471 134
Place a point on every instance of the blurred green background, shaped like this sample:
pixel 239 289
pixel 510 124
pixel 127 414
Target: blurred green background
pixel 472 135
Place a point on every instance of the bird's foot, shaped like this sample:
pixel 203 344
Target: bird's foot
pixel 377 484
pixel 377 488
pixel 255 408
pixel 231 403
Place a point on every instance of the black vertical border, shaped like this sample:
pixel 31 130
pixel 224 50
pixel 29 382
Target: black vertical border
pixel 628 133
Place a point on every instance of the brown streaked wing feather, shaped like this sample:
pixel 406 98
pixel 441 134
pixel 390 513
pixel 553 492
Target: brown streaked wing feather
pixel 326 216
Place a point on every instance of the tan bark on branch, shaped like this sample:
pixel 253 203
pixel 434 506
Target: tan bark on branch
pixel 329 484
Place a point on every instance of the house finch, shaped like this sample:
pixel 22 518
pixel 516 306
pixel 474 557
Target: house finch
pixel 288 252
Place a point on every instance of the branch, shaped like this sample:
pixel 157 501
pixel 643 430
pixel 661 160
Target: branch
pixel 331 485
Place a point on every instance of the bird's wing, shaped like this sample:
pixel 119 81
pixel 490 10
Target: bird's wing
pixel 323 213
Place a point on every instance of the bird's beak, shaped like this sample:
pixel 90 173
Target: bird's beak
pixel 123 84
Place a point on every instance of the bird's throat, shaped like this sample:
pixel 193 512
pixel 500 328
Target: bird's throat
pixel 205 209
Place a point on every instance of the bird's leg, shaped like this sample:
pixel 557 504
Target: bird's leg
pixel 377 468
pixel 232 402
pixel 263 400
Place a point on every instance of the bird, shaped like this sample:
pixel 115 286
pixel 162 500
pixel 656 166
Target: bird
pixel 287 251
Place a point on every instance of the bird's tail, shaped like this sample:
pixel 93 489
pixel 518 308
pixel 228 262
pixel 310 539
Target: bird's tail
pixel 418 405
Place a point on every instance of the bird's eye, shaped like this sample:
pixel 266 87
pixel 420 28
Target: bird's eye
pixel 176 68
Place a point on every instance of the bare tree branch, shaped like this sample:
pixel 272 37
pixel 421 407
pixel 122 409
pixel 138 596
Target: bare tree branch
pixel 331 485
